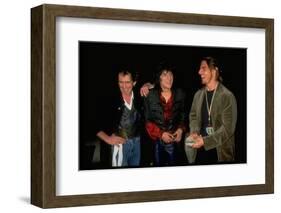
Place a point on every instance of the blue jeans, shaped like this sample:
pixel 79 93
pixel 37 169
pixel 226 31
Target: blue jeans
pixel 164 154
pixel 131 152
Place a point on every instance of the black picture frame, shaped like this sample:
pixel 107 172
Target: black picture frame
pixel 43 105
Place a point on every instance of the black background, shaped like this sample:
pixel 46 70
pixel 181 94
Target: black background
pixel 100 61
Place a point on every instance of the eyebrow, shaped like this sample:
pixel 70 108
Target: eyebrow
pixel 125 81
pixel 166 72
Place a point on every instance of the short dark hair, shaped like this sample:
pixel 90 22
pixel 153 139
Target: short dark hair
pixel 213 64
pixel 128 71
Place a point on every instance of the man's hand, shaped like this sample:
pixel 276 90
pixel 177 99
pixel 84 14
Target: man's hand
pixel 115 140
pixel 144 90
pixel 199 142
pixel 193 135
pixel 177 135
pixel 167 137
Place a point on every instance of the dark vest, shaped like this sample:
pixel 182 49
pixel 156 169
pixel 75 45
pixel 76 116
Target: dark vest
pixel 128 126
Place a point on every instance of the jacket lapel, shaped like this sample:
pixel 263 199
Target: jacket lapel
pixel 200 103
pixel 216 104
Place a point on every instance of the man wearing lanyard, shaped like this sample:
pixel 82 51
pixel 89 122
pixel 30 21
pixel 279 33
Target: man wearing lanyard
pixel 212 117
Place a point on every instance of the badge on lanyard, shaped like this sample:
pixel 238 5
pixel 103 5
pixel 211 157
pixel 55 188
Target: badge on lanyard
pixel 210 130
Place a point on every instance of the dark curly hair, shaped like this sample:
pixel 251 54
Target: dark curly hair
pixel 163 66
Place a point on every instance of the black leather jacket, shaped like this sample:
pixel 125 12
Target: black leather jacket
pixel 111 112
pixel 154 110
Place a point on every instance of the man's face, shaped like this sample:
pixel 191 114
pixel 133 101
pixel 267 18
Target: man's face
pixel 125 83
pixel 206 73
pixel 166 79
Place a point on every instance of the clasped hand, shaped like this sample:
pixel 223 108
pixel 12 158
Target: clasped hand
pixel 198 140
pixel 168 137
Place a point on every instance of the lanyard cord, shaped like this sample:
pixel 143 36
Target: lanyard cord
pixel 209 109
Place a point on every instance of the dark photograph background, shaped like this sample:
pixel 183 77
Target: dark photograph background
pixel 99 63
